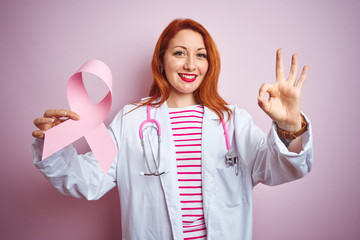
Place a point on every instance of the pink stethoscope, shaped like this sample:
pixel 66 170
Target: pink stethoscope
pixel 230 160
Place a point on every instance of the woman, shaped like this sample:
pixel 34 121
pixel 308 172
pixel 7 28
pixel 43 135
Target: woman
pixel 194 191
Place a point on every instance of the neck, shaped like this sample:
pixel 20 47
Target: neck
pixel 180 100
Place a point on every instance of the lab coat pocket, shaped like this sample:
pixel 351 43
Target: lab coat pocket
pixel 229 189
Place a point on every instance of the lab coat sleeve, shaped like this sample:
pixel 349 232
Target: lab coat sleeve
pixel 266 157
pixel 76 175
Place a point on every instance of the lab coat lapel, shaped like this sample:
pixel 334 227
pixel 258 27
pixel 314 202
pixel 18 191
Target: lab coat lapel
pixel 208 151
pixel 169 180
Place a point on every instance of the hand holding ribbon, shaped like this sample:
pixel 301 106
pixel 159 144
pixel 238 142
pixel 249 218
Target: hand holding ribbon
pixel 91 123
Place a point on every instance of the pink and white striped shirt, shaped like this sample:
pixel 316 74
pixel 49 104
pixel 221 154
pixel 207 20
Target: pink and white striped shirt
pixel 186 124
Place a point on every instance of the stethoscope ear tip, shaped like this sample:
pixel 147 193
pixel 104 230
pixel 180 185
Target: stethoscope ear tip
pixel 141 173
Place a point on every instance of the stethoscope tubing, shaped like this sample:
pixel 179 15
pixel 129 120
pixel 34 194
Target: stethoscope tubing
pixel 230 159
pixel 149 119
pixel 228 147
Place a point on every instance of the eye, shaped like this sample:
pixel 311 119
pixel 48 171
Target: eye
pixel 179 53
pixel 202 55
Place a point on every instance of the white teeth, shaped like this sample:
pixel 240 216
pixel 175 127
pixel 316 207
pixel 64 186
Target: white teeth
pixel 188 76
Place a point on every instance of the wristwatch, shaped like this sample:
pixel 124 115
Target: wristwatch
pixel 283 134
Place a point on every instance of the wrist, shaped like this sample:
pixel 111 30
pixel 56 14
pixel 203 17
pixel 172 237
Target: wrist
pixel 290 127
pixel 291 134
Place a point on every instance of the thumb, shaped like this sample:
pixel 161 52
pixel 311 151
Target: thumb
pixel 264 105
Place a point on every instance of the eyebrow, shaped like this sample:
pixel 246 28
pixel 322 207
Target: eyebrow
pixel 186 48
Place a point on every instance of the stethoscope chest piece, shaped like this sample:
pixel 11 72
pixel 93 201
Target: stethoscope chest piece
pixel 232 161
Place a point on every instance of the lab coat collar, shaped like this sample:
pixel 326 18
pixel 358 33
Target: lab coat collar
pixel 210 114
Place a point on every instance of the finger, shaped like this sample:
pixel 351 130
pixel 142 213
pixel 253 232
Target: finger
pixel 267 88
pixel 264 104
pixel 302 77
pixel 38 134
pixel 61 113
pixel 293 69
pixel 279 66
pixel 44 123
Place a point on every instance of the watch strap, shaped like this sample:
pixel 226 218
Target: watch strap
pixel 283 134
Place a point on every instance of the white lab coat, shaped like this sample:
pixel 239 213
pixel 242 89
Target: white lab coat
pixel 150 206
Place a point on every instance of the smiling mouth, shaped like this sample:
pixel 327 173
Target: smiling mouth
pixel 187 77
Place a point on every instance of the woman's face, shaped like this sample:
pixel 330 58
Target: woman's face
pixel 185 62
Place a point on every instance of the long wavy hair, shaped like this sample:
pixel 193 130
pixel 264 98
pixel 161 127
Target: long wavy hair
pixel 207 93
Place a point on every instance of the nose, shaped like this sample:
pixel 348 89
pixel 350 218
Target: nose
pixel 189 64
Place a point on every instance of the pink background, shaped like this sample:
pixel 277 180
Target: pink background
pixel 43 43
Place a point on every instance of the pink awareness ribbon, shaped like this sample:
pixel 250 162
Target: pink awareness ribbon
pixel 91 124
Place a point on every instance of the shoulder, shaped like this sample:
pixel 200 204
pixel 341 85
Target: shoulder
pixel 127 117
pixel 238 113
pixel 130 111
pixel 244 126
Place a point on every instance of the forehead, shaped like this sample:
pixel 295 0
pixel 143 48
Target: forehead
pixel 187 38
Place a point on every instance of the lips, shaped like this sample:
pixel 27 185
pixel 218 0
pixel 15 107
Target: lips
pixel 187 77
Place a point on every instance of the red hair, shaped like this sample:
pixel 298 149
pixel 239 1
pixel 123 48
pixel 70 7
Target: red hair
pixel 207 93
